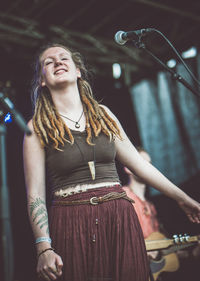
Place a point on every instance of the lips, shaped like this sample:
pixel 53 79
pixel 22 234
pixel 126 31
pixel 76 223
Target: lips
pixel 60 71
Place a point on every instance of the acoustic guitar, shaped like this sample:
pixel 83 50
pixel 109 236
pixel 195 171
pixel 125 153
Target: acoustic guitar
pixel 167 258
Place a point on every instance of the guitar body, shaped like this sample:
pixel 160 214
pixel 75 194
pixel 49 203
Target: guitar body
pixel 167 263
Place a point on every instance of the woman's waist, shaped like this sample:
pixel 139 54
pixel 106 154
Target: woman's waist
pixel 80 188
pixel 93 196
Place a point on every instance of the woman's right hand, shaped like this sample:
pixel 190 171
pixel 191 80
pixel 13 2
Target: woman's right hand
pixel 49 266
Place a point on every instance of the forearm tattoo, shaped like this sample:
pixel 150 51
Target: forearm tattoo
pixel 38 213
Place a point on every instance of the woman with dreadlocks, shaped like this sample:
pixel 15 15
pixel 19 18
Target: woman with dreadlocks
pixel 90 230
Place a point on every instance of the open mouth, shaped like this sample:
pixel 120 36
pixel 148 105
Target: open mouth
pixel 60 71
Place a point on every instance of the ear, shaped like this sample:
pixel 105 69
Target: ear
pixel 42 82
pixel 78 73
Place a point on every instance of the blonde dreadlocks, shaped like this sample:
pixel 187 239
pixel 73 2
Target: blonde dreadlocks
pixel 47 122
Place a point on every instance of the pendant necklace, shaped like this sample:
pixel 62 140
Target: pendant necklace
pixel 91 164
pixel 77 125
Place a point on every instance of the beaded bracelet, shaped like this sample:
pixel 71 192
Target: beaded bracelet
pixel 43 239
pixel 48 249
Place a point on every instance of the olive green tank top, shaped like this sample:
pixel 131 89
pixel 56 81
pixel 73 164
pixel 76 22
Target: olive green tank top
pixel 69 167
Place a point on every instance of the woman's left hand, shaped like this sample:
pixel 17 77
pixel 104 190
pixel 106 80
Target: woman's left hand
pixel 191 208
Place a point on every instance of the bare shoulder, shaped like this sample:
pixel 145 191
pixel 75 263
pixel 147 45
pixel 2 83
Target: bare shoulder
pixel 30 125
pixel 105 107
pixel 110 113
pixel 33 139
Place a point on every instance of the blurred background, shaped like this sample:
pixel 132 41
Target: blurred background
pixel 156 111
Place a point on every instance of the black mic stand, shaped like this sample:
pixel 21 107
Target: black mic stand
pixel 140 45
pixel 5 218
pixel 6 233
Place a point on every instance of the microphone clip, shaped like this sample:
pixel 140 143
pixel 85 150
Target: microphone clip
pixel 139 43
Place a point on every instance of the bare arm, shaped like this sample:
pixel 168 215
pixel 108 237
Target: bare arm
pixel 129 157
pixel 34 171
pixel 35 185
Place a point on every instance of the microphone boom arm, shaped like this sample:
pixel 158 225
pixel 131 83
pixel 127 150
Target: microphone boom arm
pixel 140 45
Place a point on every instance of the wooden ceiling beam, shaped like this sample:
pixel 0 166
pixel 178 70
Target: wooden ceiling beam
pixel 169 9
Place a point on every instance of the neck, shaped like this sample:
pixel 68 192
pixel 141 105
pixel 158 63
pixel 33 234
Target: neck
pixel 67 100
pixel 137 187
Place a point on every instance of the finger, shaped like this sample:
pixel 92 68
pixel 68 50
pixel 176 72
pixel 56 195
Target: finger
pixel 198 216
pixel 52 273
pixel 194 218
pixel 191 218
pixel 197 219
pixel 44 276
pixel 55 272
pixel 59 265
pixel 48 274
pixel 40 274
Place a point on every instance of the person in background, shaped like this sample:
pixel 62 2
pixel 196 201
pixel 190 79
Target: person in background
pixel 145 209
pixel 90 230
pixel 147 214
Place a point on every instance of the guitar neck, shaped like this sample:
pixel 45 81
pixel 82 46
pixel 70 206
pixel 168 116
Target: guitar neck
pixel 152 245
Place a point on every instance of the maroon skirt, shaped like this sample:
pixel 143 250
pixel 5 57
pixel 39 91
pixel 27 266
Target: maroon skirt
pixel 101 242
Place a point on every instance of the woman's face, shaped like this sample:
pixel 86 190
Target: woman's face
pixel 57 68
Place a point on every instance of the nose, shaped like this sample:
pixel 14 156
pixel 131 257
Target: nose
pixel 58 61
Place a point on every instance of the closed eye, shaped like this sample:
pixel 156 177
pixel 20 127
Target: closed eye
pixel 48 62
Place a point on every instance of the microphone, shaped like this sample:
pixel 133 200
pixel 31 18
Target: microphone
pixel 6 103
pixel 121 37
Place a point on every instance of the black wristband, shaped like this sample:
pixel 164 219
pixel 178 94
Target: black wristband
pixel 48 249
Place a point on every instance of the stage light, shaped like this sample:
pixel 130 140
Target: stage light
pixel 116 70
pixel 171 63
pixel 190 53
pixel 8 118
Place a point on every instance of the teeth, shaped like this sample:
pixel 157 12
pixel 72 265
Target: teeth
pixel 60 70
